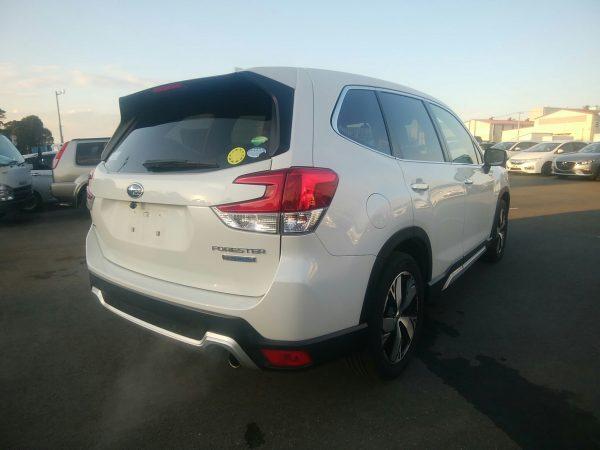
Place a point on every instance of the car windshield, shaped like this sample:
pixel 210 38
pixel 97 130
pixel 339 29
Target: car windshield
pixel 543 147
pixel 591 148
pixel 503 145
pixel 9 154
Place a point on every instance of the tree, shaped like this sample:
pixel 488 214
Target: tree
pixel 29 133
pixel 2 116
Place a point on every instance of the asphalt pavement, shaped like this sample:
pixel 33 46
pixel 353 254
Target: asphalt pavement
pixel 510 356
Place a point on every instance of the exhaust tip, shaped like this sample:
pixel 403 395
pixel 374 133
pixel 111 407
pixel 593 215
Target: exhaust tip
pixel 233 362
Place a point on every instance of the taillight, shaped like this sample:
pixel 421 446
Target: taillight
pixel 287 358
pixel 294 201
pixel 59 155
pixel 90 194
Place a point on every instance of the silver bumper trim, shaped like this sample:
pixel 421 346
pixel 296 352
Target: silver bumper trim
pixel 209 338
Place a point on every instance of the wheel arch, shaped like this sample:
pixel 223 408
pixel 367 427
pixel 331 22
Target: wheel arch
pixel 413 241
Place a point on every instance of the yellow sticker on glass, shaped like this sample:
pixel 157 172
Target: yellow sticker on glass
pixel 236 156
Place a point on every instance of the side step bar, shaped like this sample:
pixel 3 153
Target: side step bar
pixel 461 269
pixel 209 338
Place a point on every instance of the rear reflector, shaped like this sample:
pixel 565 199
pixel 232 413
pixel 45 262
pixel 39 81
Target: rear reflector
pixel 287 358
pixel 59 155
pixel 294 201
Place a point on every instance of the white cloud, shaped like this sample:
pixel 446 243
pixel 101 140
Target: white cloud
pixel 90 106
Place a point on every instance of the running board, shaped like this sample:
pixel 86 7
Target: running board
pixel 461 269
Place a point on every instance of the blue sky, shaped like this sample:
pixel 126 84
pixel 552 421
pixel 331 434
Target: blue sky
pixel 482 58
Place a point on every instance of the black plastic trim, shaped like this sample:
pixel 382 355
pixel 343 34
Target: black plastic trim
pixel 386 251
pixel 194 323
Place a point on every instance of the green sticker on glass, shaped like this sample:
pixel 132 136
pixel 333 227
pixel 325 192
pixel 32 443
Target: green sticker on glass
pixel 259 140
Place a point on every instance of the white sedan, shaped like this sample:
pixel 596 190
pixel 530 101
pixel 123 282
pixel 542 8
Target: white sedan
pixel 538 159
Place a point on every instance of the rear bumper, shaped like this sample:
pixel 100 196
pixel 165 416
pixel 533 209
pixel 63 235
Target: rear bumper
pixel 64 192
pixel 202 329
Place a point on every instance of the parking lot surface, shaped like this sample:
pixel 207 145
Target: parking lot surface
pixel 510 356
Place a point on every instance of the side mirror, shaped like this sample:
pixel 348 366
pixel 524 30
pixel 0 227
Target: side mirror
pixel 494 157
pixel 559 151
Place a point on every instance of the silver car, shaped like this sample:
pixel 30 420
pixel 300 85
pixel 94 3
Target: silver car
pixel 72 166
pixel 584 163
pixel 40 165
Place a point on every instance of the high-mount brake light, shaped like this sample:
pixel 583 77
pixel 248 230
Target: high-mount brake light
pixel 294 201
pixel 59 155
pixel 167 87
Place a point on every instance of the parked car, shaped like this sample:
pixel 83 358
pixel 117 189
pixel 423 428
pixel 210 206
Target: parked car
pixel 538 159
pixel 485 145
pixel 41 173
pixel 15 179
pixel 584 163
pixel 275 213
pixel 72 166
pixel 512 148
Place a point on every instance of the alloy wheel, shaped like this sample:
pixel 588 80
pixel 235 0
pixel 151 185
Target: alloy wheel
pixel 501 230
pixel 400 316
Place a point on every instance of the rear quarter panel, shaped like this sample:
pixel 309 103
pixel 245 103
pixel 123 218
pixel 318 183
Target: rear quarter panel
pixel 347 229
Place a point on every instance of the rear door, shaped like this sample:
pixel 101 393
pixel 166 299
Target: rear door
pixel 437 191
pixel 480 205
pixel 42 174
pixel 182 147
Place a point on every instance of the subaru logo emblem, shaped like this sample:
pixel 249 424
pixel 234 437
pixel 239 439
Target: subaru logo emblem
pixel 135 190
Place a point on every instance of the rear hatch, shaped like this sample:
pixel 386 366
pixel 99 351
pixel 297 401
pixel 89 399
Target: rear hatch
pixel 177 152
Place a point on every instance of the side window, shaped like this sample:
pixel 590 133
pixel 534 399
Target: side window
pixel 88 153
pixel 459 143
pixel 567 148
pixel 360 120
pixel 578 145
pixel 523 146
pixel 411 131
pixel 32 162
pixel 44 162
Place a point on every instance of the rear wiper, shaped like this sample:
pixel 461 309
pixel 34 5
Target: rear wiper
pixel 163 165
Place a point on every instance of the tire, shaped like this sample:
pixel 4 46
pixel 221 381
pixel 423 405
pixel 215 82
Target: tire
pixel 82 199
pixel 547 169
pixel 495 249
pixel 394 332
pixel 35 204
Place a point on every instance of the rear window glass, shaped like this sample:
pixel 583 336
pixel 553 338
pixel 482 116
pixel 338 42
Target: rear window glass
pixel 89 153
pixel 216 125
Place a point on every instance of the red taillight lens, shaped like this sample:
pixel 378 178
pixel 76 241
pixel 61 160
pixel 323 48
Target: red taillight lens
pixel 89 192
pixel 287 358
pixel 308 188
pixel 293 202
pixel 167 87
pixel 271 199
pixel 59 155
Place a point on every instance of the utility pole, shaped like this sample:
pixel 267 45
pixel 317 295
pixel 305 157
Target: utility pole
pixel 519 126
pixel 57 93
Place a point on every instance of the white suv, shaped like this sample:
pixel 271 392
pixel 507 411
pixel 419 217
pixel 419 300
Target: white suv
pixel 290 215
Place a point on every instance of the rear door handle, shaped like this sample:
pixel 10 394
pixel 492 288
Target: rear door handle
pixel 468 181
pixel 419 186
